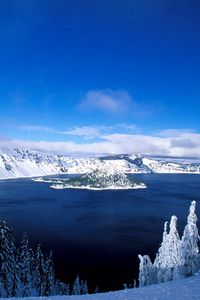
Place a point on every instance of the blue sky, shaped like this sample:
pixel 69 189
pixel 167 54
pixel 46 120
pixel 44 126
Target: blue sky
pixel 101 75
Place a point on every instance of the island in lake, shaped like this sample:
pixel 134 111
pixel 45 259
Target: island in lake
pixel 99 179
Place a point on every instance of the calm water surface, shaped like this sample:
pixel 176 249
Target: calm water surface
pixel 98 234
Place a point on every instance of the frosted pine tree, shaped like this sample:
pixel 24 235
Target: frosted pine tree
pixel 84 287
pixel 39 274
pixel 76 290
pixel 168 258
pixel 17 285
pixel 146 271
pixel 173 253
pixel 61 288
pixel 142 271
pixel 32 266
pixel 125 286
pixel 96 291
pixel 7 260
pixel 50 276
pixel 189 245
pixel 159 262
pixel 25 266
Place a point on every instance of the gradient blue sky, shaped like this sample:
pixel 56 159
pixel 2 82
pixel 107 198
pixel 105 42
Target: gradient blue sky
pixel 86 72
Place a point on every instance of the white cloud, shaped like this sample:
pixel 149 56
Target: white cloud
pixel 107 100
pixel 173 132
pixel 184 145
pixel 94 131
pixel 85 131
pixel 117 102
pixel 33 128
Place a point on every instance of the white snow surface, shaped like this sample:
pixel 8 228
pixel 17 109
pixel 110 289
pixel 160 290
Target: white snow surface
pixel 182 289
pixel 26 163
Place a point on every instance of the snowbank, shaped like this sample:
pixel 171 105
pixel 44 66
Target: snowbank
pixel 182 289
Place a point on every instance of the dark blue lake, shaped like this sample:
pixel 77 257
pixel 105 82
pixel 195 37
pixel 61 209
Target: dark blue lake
pixel 98 234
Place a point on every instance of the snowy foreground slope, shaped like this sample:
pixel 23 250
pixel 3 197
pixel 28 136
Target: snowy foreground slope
pixel 16 163
pixel 182 289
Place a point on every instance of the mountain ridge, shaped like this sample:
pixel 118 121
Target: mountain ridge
pixel 18 163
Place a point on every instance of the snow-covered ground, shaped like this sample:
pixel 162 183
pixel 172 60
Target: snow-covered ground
pixel 18 163
pixel 182 289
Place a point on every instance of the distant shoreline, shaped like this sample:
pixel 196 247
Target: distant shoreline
pixel 142 186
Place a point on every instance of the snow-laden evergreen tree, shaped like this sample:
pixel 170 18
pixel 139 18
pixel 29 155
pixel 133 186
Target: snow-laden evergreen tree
pixel 146 271
pixel 25 266
pixel 76 290
pixel 32 265
pixel 84 287
pixel 189 245
pixel 96 291
pixel 168 257
pixel 125 286
pixel 17 284
pixel 50 276
pixel 7 261
pixel 160 256
pixel 40 275
pixel 173 254
pixel 33 273
pixel 61 288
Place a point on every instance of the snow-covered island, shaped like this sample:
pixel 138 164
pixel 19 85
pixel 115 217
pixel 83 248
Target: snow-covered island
pixel 99 179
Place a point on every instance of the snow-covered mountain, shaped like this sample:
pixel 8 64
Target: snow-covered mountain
pixel 17 163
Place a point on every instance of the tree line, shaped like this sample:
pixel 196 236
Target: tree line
pixel 177 257
pixel 25 273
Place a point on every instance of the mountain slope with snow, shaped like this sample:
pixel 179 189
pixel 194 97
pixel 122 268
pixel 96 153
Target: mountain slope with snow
pixel 25 163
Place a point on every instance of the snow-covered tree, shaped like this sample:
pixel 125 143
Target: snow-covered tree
pixel 168 257
pixel 40 278
pixel 173 258
pixel 32 262
pixel 96 291
pixel 50 276
pixel 84 287
pixel 7 260
pixel 146 271
pixel 25 266
pixel 189 245
pixel 61 288
pixel 125 286
pixel 76 290
pixel 160 256
pixel 17 284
